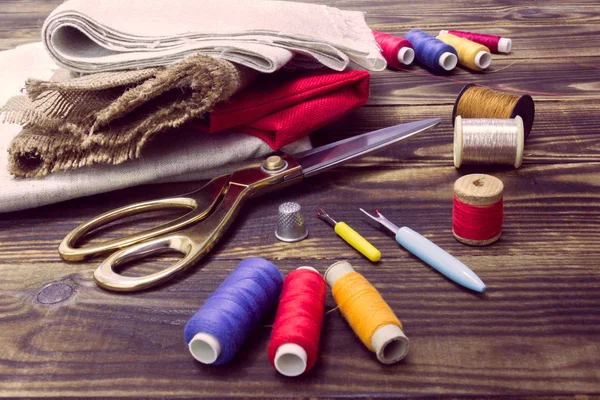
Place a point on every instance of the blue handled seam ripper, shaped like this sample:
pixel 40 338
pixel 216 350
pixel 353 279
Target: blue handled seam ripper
pixel 432 254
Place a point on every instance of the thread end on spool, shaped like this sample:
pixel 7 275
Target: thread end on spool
pixel 458 141
pixel 443 32
pixel 483 59
pixel 520 141
pixel 390 344
pixel 290 359
pixel 205 348
pixel 309 268
pixel 504 45
pixel 336 271
pixel 448 61
pixel 406 55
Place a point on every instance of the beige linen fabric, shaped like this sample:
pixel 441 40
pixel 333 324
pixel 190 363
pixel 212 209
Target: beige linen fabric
pixel 91 36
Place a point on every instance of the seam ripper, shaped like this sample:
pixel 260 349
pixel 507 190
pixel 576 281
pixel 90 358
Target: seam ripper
pixel 432 254
pixel 351 237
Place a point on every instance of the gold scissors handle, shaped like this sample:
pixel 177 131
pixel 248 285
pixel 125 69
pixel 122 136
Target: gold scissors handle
pixel 200 202
pixel 193 243
pixel 222 197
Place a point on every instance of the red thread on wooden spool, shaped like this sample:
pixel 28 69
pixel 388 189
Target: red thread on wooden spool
pixel 294 344
pixel 477 223
pixel 478 210
pixel 397 51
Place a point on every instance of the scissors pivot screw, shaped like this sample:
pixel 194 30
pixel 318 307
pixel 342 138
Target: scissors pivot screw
pixel 273 164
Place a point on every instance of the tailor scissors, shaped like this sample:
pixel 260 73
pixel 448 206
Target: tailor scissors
pixel 214 207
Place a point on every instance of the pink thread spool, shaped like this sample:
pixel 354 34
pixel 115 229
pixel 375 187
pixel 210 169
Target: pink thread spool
pixel 397 51
pixel 496 44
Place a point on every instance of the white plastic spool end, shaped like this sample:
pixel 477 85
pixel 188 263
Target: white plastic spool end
pixel 520 141
pixel 205 348
pixel 504 45
pixel 448 61
pixel 390 344
pixel 406 55
pixel 310 268
pixel 483 59
pixel 458 141
pixel 336 271
pixel 290 359
pixel 443 32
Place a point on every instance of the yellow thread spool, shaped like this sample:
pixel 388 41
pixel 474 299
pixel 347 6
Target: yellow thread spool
pixel 470 54
pixel 368 314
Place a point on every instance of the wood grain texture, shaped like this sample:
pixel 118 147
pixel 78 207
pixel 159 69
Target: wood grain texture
pixel 535 334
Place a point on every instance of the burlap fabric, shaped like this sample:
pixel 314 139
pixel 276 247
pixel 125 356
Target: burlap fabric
pixel 70 122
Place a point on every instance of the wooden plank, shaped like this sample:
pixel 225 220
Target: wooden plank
pixel 21 21
pixel 544 81
pixel 535 334
pixel 535 319
pixel 563 132
pixel 551 209
pixel 493 15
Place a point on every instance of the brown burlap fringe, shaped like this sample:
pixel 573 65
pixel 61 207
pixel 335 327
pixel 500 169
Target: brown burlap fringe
pixel 71 122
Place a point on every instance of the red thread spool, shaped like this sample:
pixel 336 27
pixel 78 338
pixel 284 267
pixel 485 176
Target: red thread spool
pixel 294 344
pixel 496 44
pixel 478 209
pixel 397 51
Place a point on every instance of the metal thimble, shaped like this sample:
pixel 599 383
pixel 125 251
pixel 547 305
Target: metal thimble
pixel 290 225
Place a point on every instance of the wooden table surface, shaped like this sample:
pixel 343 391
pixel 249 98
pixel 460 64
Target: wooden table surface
pixel 535 333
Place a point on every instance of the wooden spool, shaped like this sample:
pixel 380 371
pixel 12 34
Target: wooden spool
pixel 478 190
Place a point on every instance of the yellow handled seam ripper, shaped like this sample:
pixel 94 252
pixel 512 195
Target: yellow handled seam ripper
pixel 351 237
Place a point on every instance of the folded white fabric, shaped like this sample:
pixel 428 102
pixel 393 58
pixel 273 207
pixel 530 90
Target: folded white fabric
pixel 169 158
pixel 93 36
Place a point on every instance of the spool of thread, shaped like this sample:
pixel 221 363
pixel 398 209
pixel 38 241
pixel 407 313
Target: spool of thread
pixel 432 53
pixel 496 44
pixel 294 344
pixel 481 102
pixel 219 328
pixel 397 51
pixel 370 317
pixel 478 210
pixel 470 54
pixel 488 141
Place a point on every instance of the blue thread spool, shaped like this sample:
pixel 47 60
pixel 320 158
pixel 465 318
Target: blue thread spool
pixel 219 328
pixel 432 53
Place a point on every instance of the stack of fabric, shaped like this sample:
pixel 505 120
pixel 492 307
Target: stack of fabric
pixel 126 93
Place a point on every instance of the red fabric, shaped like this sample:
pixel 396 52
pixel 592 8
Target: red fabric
pixel 286 106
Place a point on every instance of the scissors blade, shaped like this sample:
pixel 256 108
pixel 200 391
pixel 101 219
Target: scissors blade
pixel 326 157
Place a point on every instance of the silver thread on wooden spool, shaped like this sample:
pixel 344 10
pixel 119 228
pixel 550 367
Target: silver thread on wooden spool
pixel 488 141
